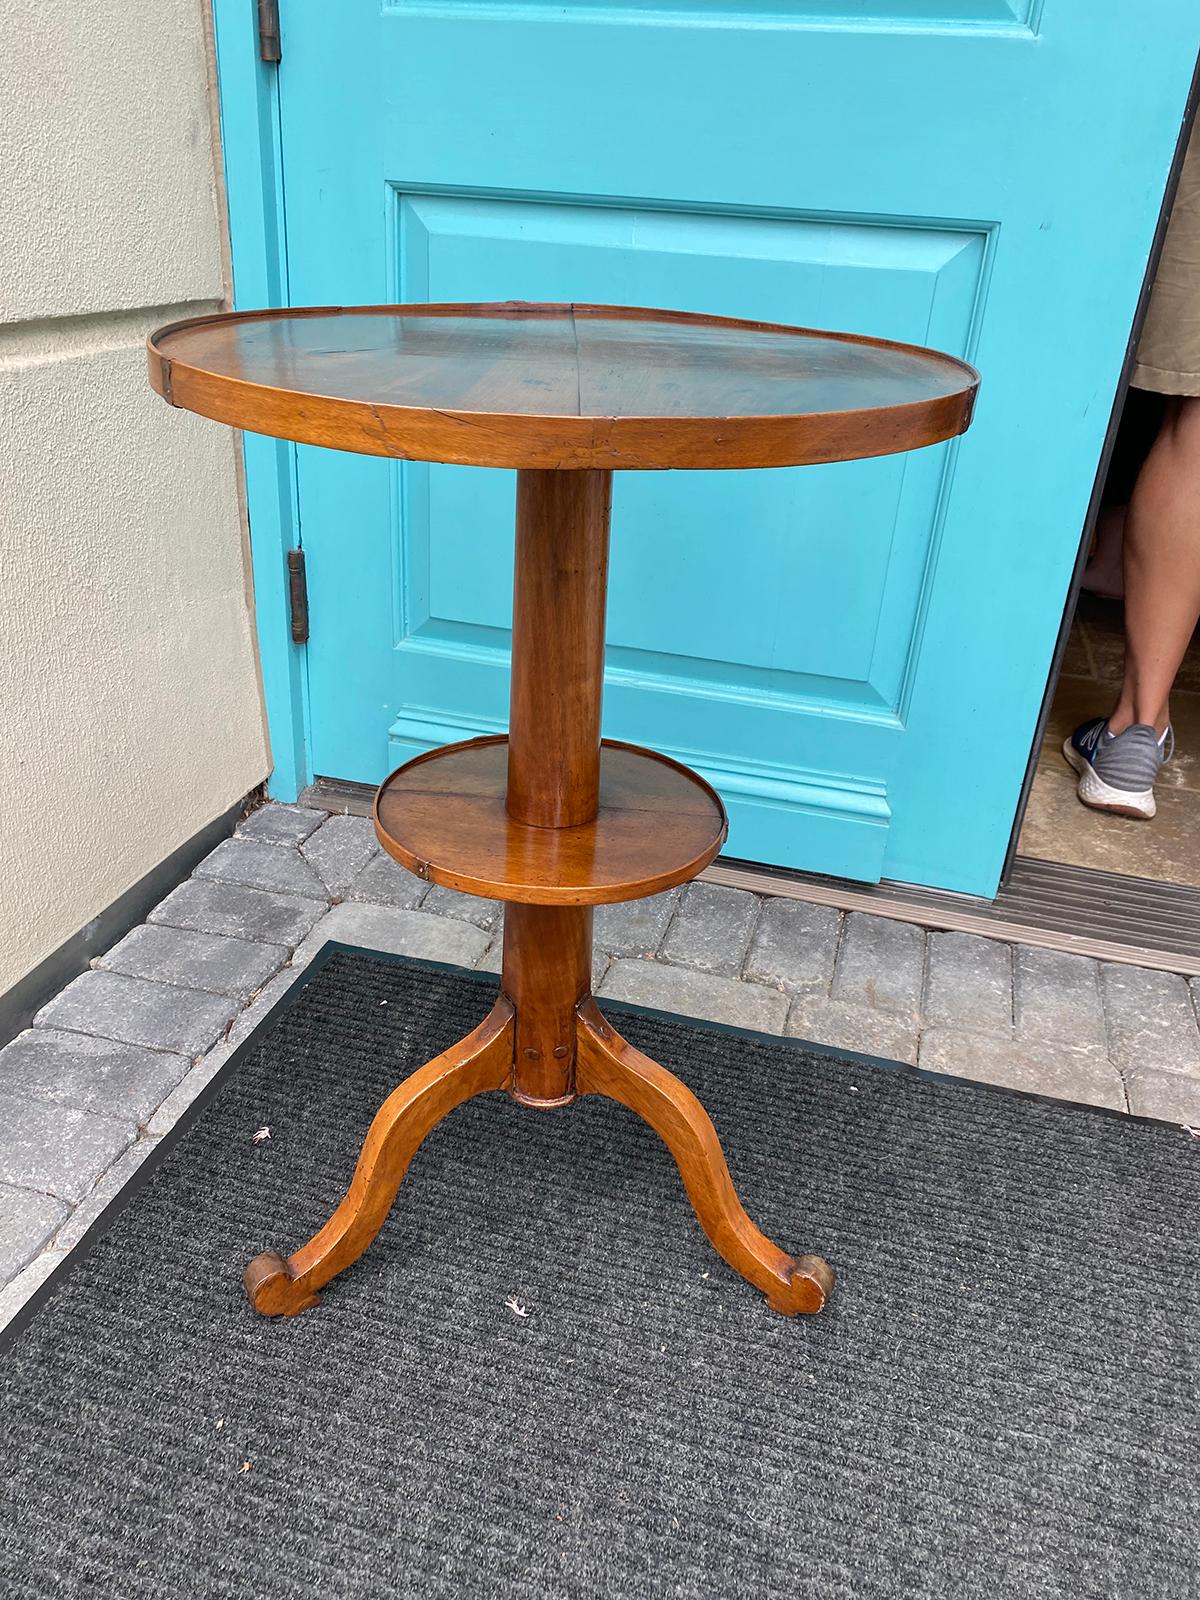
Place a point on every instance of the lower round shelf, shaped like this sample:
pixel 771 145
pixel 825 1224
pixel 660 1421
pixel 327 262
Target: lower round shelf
pixel 442 816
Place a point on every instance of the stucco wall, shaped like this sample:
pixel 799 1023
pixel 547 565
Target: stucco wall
pixel 130 711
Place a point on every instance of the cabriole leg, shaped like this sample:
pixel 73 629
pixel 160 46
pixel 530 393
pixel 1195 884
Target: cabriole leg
pixel 481 1061
pixel 609 1065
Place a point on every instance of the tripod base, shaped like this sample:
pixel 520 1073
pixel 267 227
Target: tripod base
pixel 605 1063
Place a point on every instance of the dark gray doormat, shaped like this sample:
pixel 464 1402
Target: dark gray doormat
pixel 1000 1400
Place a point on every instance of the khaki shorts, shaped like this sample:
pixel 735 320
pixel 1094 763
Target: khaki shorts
pixel 1168 353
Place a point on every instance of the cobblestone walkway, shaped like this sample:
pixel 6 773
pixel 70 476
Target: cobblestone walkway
pixel 113 1060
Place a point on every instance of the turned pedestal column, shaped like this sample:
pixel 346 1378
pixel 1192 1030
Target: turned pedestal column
pixel 560 583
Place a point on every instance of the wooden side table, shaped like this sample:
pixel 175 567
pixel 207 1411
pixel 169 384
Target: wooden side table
pixel 552 820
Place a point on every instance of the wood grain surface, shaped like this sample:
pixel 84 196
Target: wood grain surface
pixel 443 816
pixel 560 587
pixel 561 386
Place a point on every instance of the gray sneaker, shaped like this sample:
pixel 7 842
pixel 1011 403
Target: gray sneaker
pixel 1117 770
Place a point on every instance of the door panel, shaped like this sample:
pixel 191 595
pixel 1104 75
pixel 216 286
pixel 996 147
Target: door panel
pixel 854 654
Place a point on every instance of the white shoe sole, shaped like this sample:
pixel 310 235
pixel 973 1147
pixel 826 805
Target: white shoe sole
pixel 1094 792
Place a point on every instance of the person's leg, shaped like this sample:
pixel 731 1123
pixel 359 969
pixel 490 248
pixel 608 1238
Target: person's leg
pixel 1162 568
pixel 1104 573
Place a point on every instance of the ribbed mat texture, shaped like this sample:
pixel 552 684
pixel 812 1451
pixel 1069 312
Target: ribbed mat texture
pixel 1000 1400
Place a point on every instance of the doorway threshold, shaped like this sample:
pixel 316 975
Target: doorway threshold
pixel 1079 910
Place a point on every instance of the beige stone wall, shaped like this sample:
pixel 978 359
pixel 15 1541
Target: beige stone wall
pixel 130 711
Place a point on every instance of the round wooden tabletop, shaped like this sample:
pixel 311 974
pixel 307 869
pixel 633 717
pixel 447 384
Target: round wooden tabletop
pixel 561 386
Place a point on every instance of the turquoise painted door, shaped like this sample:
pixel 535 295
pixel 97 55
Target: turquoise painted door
pixel 853 654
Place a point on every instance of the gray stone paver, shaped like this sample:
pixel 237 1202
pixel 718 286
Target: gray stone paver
pixel 27 1221
pixel 111 1006
pixel 1068 1072
pixel 968 983
pixel 106 1189
pixel 233 908
pixel 385 882
pixel 260 865
pixel 711 929
pixel 107 1076
pixel 55 1148
pixel 195 960
pixel 1057 996
pixel 634 927
pixel 398 931
pixel 443 902
pixel 881 964
pixel 848 1026
pixel 794 946
pixel 22 1288
pixel 339 850
pixel 1173 1096
pixel 114 1049
pixel 180 1098
pixel 492 958
pixel 245 1024
pixel 279 824
pixel 696 994
pixel 1151 1020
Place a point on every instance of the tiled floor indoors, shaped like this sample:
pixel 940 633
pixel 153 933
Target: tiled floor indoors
pixel 1056 826
pixel 113 1060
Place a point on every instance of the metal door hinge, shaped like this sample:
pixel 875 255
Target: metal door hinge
pixel 268 30
pixel 298 595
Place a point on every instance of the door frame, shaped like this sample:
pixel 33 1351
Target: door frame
pixel 251 162
pixel 1110 439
